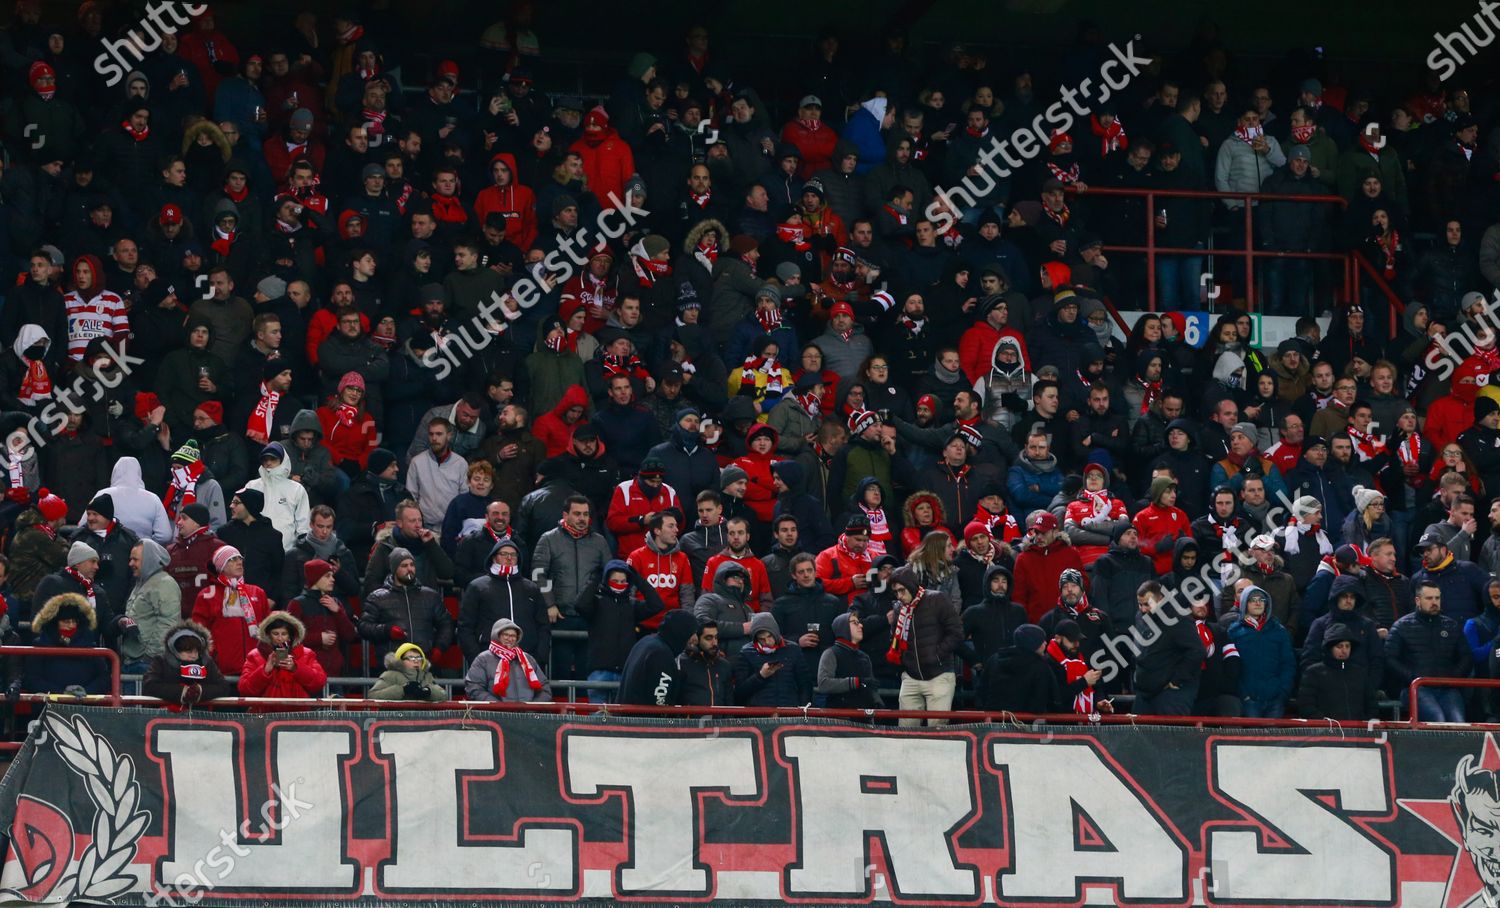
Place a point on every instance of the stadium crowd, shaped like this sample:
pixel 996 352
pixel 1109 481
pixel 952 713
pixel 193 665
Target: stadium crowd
pixel 795 436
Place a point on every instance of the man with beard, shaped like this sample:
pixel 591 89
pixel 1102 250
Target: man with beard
pixel 1118 573
pixel 515 453
pixel 587 468
pixel 909 342
pixel 759 594
pixel 1065 651
pixel 1041 565
pixel 402 609
pixel 807 611
pixel 666 569
pixel 1475 800
pixel 1219 685
pixel 1221 532
pixel 407 534
pixel 1072 605
pixel 470 559
pixel 991 621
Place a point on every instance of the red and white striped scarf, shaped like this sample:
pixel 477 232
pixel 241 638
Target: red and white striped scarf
pixel 507 655
pixel 901 633
pixel 37 385
pixel 259 427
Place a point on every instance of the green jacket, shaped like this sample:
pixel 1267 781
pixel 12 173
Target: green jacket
pixel 1325 159
pixel 155 605
pixel 1356 164
pixel 391 685
pixel 866 461
pixel 552 374
pixel 33 554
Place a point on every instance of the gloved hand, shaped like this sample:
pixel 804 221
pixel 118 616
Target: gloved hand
pixel 75 690
pixel 13 692
pixel 1164 544
pixel 191 694
pixel 412 691
pixel 426 692
pixel 127 627
pixel 115 409
pixel 398 632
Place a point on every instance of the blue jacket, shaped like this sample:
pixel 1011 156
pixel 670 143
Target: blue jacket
pixel 1333 489
pixel 863 129
pixel 1022 500
pixel 1483 634
pixel 1266 659
pixel 1463 585
pixel 748 330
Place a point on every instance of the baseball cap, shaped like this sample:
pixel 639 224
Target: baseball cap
pixel 170 214
pixel 810 101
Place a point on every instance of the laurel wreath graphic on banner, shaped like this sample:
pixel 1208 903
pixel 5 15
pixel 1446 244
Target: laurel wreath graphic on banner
pixel 118 824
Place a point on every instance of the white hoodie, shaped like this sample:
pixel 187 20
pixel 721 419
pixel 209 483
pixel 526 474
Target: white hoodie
pixel 135 508
pixel 286 501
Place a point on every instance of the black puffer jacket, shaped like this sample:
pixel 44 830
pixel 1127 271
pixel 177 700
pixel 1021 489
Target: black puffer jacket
pixel 418 610
pixel 1427 646
pixel 790 685
pixel 613 617
pixel 491 598
pixel 936 634
pixel 1369 649
pixel 990 625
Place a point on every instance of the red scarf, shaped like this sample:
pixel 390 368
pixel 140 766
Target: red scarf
pixel 569 530
pixel 624 365
pixel 1389 245
pixel 1111 137
pixel 880 530
pixel 700 199
pixel 1410 452
pixel 1366 444
pixel 1061 217
pixel 346 415
pixel 447 209
pixel 507 655
pixel 1489 357
pixel 258 429
pixel 240 196
pixel 707 252
pixel 568 341
pixel 649 270
pixel 222 242
pixel 374 121
pixel 1368 146
pixel 1248 134
pixel 86 583
pixel 1075 668
pixel 37 385
pixel 1151 391
pixel 794 235
pixel 770 319
pixel 973 133
pixel 1068 177
pixel 184 488
pixel 901 633
pixel 138 136
pixel 811 405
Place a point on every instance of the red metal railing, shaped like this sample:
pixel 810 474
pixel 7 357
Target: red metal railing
pixel 66 652
pixel 1418 683
pixel 1250 254
pixel 1361 265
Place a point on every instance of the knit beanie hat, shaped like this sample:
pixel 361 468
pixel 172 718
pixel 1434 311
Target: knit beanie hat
pixel 80 552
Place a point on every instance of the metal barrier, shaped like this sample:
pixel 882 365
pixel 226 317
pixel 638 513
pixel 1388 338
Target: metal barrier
pixel 1362 265
pixel 66 652
pixel 1467 683
pixel 1250 254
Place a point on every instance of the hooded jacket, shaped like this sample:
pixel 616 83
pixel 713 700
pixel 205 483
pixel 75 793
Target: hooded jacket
pixel 394 681
pixel 725 605
pixel 1369 650
pixel 515 203
pixel 615 617
pixel 790 685
pixel 235 628
pixel 1337 689
pixel 164 676
pixel 669 573
pixel 990 625
pixel 286 501
pixel 1114 579
pixel 315 465
pixel 155 605
pixel 43 675
pixel 306 678
pixel 480 679
pixel 652 676
pixel 135 507
pixel 1267 664
pixel 492 597
pixel 1450 415
pixel 550 427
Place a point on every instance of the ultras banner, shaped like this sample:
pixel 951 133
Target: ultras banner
pixel 140 808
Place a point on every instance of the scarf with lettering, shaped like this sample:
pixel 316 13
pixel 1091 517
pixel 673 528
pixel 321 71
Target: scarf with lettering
pixel 258 429
pixel 86 583
pixel 347 415
pixel 15 465
pixel 901 633
pixel 1248 134
pixel 504 570
pixel 566 341
pixel 1074 668
pixel 374 120
pixel 707 252
pixel 506 655
pixel 1303 134
pixel 811 405
pixel 1100 502
pixel 880 530
pixel 793 235
pixel 648 269
pixel 37 385
pixel 1489 357
pixel 624 365
pixel 1410 452
pixel 863 559
pixel 1367 445
pixel 184 488
pixel 700 199
pixel 1111 137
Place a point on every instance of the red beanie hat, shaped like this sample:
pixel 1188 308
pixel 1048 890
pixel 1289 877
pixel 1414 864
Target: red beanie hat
pixel 314 570
pixel 975 528
pixel 52 507
pixel 213 410
pixel 38 71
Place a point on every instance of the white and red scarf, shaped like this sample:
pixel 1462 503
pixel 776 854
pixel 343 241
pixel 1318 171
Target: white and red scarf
pixel 184 488
pixel 1294 534
pixel 901 634
pixel 880 530
pixel 1367 445
pixel 37 385
pixel 506 655
pixel 259 427
pixel 86 583
pixel 1111 137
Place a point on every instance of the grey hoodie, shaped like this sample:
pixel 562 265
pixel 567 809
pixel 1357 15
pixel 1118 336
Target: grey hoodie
pixel 726 606
pixel 154 604
pixel 135 507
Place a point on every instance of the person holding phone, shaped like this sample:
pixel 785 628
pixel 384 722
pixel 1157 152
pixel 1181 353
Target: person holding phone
pixel 768 672
pixel 280 666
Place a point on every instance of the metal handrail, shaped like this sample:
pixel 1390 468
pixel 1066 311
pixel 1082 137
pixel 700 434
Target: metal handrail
pixel 1398 308
pixel 1250 253
pixel 70 652
pixel 1418 683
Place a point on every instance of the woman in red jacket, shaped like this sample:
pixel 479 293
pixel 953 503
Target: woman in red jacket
pixel 760 493
pixel 280 666
pixel 1161 523
pixel 924 514
pixel 349 432
pixel 231 609
pixel 516 203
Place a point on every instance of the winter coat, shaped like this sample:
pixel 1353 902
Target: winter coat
pixel 305 679
pixel 154 604
pixel 724 605
pixel 34 553
pixel 391 685
pixel 1172 654
pixel 791 685
pixel 1266 660
pixel 798 609
pixel 628 507
pixel 235 628
pixel 1463 585
pixel 192 564
pixel 491 598
pixel 1017 681
pixel 164 678
pixel 1427 646
pixel 551 429
pixel 1036 572
pixel 689 470
pixel 990 625
pixel 937 633
pixel 53 675
pixel 114 562
pixel 1026 473
pixel 286 501
pixel 1240 169
pixel 347 443
pixel 309 609
pixel 260 544
pixel 346 584
pixel 417 610
pixel 1114 578
pixel 652 676
pixel 1369 649
pixel 480 679
pixel 613 617
pixel 1332 689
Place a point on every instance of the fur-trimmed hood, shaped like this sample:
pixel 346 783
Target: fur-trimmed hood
pixel 48 613
pixel 690 242
pixel 299 630
pixel 909 509
pixel 205 638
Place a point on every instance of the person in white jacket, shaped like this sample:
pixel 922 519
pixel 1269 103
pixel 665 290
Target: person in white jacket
pixel 138 510
pixel 286 501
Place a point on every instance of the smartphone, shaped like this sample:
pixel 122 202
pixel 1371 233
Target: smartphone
pixel 814 627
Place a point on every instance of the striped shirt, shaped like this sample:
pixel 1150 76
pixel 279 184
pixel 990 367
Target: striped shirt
pixel 101 316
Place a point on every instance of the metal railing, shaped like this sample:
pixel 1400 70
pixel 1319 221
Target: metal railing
pixel 1249 253
pixel 1467 683
pixel 1362 266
